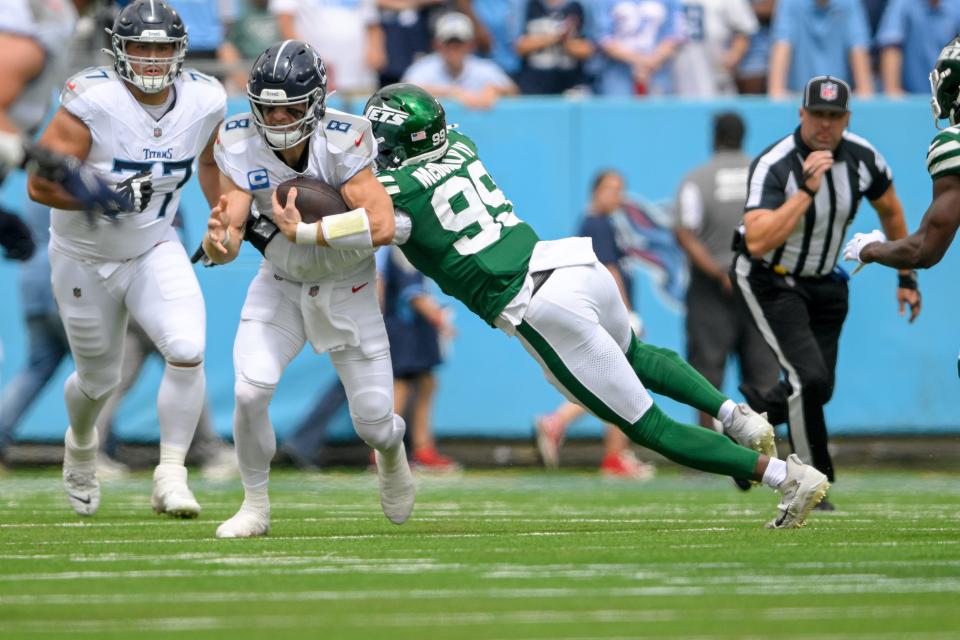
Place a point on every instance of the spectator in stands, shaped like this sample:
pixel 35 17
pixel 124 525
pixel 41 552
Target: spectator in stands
pixel 819 38
pixel 406 32
pixel 553 47
pixel 751 74
pixel 501 22
pixel 209 50
pixel 453 71
pixel 910 36
pixel 416 323
pixel 346 34
pixel 637 39
pixel 718 34
pixel 607 197
pixel 709 207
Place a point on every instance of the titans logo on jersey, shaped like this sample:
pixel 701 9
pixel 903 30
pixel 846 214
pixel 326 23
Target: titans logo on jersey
pixel 128 140
pixel 339 148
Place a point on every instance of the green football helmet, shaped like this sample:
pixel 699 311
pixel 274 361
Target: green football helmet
pixel 945 84
pixel 409 125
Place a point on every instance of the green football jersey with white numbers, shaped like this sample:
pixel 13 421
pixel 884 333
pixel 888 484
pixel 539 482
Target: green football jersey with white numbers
pixel 465 235
pixel 943 158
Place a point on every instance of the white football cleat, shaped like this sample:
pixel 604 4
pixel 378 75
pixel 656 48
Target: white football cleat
pixel 80 475
pixel 171 495
pixel 751 430
pixel 397 491
pixel 803 489
pixel 249 522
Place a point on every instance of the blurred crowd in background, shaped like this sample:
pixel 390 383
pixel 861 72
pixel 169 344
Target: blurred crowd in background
pixel 475 51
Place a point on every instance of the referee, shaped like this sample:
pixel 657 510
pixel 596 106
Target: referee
pixel 803 192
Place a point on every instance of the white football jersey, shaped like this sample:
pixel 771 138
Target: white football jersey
pixel 50 23
pixel 127 140
pixel 340 147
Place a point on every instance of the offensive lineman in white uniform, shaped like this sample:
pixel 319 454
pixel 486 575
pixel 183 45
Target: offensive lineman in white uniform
pixel 142 125
pixel 324 295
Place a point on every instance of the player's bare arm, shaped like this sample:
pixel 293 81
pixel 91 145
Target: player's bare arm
pixel 927 245
pixel 207 171
pixel 890 211
pixel 767 229
pixel 21 62
pixel 227 218
pixel 364 190
pixel 68 135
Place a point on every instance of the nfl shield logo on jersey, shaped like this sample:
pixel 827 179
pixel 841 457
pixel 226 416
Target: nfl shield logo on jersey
pixel 76 292
pixel 828 91
pixel 314 290
pixel 157 132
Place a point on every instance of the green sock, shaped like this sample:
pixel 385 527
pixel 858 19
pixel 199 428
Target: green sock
pixel 663 371
pixel 693 447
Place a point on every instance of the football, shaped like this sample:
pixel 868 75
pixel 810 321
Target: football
pixel 315 198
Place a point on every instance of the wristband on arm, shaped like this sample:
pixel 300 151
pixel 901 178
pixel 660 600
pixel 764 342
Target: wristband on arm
pixel 907 280
pixel 350 230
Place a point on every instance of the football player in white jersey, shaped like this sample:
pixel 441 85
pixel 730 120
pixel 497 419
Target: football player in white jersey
pixel 143 125
pixel 324 295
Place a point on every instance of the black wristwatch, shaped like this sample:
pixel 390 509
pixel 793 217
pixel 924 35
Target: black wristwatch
pixel 907 280
pixel 807 190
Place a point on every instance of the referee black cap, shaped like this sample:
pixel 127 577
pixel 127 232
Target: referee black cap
pixel 826 93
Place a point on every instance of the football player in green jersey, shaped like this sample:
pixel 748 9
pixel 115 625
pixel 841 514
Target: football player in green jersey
pixel 456 226
pixel 928 244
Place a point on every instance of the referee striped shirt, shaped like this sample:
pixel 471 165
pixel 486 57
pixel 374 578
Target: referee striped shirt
pixel 858 171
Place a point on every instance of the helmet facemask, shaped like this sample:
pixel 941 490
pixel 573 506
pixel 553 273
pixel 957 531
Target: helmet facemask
pixel 148 83
pixel 285 136
pixel 945 85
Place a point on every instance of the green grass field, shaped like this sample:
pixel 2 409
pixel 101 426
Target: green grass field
pixel 515 554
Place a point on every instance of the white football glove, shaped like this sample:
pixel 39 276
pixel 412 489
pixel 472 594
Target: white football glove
pixel 859 241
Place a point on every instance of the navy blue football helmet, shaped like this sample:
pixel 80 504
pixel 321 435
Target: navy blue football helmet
pixel 289 73
pixel 148 21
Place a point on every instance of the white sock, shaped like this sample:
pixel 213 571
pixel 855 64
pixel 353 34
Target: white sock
pixel 81 451
pixel 393 457
pixel 256 498
pixel 775 474
pixel 82 411
pixel 171 454
pixel 179 403
pixel 726 412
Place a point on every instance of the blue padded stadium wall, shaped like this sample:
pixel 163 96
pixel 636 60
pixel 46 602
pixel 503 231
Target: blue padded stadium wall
pixel 892 378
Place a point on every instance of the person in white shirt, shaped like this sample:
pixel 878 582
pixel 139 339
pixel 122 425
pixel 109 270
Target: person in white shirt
pixel 454 72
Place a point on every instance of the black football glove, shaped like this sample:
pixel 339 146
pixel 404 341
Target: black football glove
pixel 15 237
pixel 139 188
pixel 96 195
